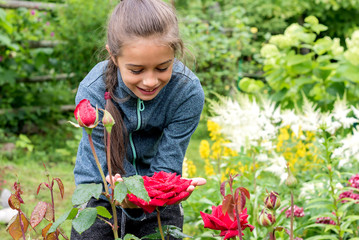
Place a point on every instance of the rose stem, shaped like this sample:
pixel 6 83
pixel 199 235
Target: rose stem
pixel 113 206
pixel 291 215
pixel 239 223
pixel 159 223
pixel 98 164
pixel 22 226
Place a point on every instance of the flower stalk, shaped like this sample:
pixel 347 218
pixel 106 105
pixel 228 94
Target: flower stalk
pixel 98 165
pixel 159 224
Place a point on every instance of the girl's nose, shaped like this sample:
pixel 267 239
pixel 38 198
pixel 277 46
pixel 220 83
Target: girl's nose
pixel 150 81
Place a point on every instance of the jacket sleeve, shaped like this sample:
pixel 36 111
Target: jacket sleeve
pixel 176 135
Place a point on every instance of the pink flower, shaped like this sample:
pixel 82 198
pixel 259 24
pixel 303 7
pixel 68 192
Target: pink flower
pixel 354 181
pixel 163 189
pixel 52 34
pixel 325 220
pixel 218 221
pixel 47 23
pixel 33 12
pixel 298 212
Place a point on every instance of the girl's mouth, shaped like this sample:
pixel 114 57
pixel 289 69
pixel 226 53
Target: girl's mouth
pixel 147 92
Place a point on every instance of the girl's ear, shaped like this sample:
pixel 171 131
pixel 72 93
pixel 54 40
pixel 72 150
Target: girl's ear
pixel 112 57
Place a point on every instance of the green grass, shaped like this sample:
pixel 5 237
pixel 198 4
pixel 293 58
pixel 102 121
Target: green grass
pixel 30 175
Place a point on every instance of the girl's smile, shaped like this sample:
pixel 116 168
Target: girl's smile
pixel 146 67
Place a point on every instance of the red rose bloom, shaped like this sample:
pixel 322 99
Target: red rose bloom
pixel 163 189
pixel 85 114
pixel 219 221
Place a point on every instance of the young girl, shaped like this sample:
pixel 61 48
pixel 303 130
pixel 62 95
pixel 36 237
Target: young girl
pixel 156 102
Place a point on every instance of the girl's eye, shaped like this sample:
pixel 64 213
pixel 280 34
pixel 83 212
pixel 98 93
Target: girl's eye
pixel 162 69
pixel 136 72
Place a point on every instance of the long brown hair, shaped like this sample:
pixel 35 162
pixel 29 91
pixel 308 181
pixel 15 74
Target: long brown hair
pixel 131 20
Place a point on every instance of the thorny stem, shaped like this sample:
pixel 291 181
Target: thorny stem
pixel 159 223
pixel 239 223
pixel 291 215
pixel 98 164
pixel 22 226
pixel 113 206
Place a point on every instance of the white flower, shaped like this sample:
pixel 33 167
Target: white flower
pixel 277 166
pixel 340 112
pixel 349 150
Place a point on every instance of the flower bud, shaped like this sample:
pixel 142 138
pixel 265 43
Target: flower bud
pixel 291 181
pixel 108 121
pixel 266 218
pixel 272 201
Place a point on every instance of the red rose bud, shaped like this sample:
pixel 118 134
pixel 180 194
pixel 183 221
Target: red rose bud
pixel 86 115
pixel 219 221
pixel 108 121
pixel 163 189
pixel 272 201
pixel 266 218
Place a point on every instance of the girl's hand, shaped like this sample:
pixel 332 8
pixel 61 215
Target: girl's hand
pixel 116 178
pixel 196 182
pixel 125 203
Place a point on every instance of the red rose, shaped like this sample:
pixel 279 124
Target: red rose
pixel 86 115
pixel 163 189
pixel 218 221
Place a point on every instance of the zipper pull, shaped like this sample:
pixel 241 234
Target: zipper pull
pixel 141 106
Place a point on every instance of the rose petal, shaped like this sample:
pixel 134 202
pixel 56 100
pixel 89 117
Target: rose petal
pixel 167 195
pixel 158 202
pixel 207 222
pixel 86 113
pixel 179 197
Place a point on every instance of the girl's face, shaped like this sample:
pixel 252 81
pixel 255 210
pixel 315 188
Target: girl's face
pixel 146 67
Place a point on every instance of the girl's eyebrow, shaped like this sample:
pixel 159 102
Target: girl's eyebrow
pixel 135 65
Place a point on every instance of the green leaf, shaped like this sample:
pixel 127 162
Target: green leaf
pixel 250 85
pixel 102 211
pixel 153 236
pixel 175 232
pixel 71 214
pixel 135 185
pixel 84 192
pixel 326 237
pixel 120 191
pixel 85 220
pixel 131 237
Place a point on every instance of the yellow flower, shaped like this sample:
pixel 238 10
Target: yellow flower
pixel 214 130
pixel 185 168
pixel 208 168
pixel 204 149
pixel 216 150
pixel 192 169
pixel 254 30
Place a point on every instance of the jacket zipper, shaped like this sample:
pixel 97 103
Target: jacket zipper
pixel 140 108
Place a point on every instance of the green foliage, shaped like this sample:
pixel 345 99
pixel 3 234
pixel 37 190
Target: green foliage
pixel 324 72
pixel 82 24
